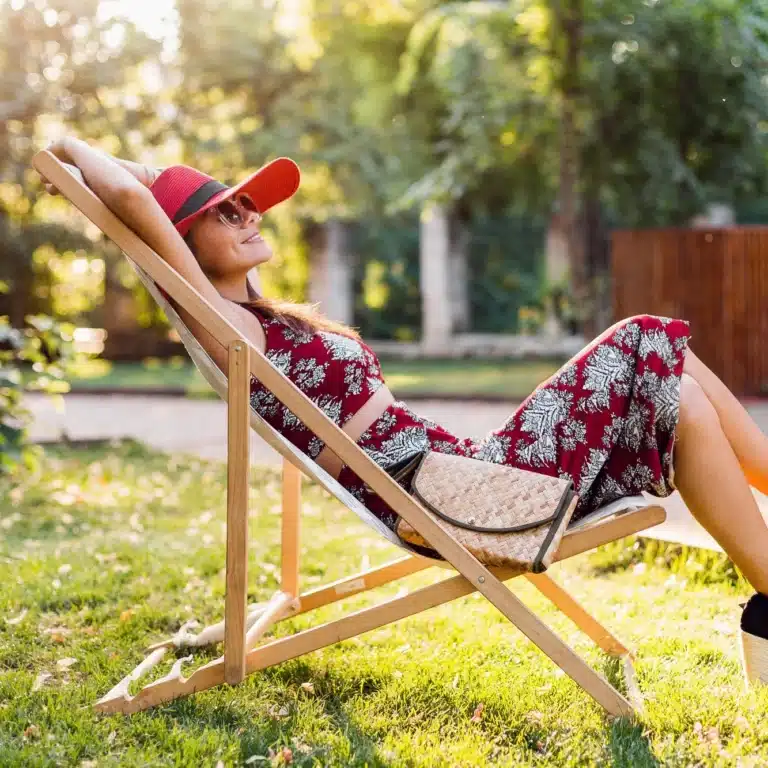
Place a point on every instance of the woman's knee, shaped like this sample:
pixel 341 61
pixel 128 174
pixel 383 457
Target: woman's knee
pixel 696 410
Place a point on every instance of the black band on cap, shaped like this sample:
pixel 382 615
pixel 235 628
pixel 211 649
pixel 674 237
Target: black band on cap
pixel 198 199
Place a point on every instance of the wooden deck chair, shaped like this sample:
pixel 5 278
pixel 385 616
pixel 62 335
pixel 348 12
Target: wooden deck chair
pixel 242 631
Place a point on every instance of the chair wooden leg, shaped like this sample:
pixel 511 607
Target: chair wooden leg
pixel 589 625
pixel 238 412
pixel 291 528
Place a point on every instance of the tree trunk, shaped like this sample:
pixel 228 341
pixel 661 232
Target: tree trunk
pixel 598 262
pixel 330 273
pixel 434 279
pixel 568 234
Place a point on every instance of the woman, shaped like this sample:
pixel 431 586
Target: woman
pixel 609 419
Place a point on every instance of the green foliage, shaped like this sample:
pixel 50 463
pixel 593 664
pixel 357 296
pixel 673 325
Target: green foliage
pixel 388 105
pixel 505 263
pixel 67 66
pixel 46 347
pixel 386 278
pixel 674 106
pixel 689 564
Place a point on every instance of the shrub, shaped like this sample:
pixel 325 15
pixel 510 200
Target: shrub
pixel 36 357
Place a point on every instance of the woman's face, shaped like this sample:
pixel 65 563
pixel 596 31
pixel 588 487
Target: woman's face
pixel 224 250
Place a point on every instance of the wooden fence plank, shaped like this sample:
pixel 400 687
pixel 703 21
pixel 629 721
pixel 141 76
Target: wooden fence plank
pixel 717 279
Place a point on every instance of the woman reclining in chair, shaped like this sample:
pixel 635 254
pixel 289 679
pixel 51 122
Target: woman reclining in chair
pixel 609 419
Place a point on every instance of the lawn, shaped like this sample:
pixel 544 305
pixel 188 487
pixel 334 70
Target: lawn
pixel 109 549
pixel 511 379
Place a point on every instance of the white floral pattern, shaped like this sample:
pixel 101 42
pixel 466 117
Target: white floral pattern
pixel 338 373
pixel 342 347
pixel 608 370
pixel 353 379
pixel 308 373
pixel 545 411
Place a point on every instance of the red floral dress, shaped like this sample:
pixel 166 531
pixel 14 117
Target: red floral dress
pixel 606 420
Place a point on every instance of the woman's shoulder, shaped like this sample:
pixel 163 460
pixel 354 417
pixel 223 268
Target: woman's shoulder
pixel 249 324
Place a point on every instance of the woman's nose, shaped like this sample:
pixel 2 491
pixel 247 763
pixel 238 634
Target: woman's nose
pixel 248 216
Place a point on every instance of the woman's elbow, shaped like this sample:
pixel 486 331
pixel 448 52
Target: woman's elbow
pixel 129 197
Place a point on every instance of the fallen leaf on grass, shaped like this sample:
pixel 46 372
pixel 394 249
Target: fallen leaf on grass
pixel 478 716
pixel 300 746
pixel 284 756
pixel 127 614
pixel 32 732
pixel 40 681
pixel 66 663
pixel 17 619
pixel 710 734
pixel 58 634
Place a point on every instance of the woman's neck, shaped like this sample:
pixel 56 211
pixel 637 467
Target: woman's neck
pixel 234 288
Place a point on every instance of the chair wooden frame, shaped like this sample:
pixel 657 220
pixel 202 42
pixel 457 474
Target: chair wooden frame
pixel 241 630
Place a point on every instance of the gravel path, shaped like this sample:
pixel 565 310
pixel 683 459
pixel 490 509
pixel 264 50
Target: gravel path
pixel 199 427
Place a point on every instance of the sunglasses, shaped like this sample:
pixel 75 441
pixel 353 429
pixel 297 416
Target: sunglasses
pixel 234 213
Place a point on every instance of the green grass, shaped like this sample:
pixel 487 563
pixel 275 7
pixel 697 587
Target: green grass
pixel 108 550
pixel 477 378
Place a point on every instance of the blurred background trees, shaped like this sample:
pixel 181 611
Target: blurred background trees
pixel 508 137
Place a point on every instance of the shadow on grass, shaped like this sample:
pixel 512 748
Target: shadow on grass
pixel 626 737
pixel 260 735
pixel 332 692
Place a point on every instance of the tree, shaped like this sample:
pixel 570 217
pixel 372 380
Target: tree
pixel 65 67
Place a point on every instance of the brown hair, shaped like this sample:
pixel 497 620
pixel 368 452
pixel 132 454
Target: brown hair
pixel 303 318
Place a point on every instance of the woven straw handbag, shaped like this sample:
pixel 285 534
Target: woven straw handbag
pixel 502 515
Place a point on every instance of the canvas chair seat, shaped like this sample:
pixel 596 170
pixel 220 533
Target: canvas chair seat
pixel 243 628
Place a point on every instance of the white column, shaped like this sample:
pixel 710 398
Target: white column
pixel 556 269
pixel 330 273
pixel 434 279
pixel 459 277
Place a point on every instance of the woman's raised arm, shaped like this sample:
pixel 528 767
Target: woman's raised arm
pixel 134 205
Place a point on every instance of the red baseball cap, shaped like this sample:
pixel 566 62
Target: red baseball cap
pixel 185 193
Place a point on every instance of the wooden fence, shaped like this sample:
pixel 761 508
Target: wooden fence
pixel 717 279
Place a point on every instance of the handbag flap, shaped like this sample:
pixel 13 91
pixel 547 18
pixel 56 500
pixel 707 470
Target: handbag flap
pixel 488 497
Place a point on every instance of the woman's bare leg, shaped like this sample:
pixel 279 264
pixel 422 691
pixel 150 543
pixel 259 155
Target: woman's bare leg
pixel 747 439
pixel 712 483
